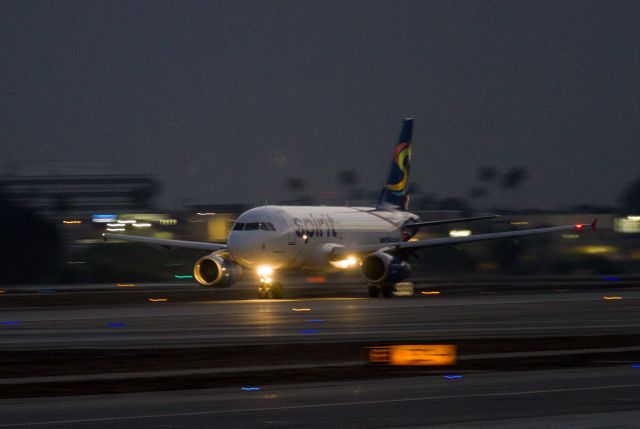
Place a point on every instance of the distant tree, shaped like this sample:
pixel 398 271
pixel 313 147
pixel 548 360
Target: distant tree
pixel 487 173
pixel 453 204
pixel 349 179
pixel 296 184
pixel 514 178
pixel 478 192
pixel 630 198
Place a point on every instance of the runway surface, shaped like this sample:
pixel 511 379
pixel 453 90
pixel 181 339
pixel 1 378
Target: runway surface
pixel 431 317
pixel 586 398
pixel 303 361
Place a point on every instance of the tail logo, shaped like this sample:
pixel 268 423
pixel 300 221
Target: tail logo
pixel 400 172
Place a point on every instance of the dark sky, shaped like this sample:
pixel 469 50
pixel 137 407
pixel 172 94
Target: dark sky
pixel 224 100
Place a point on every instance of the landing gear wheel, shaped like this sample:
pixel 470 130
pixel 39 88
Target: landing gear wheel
pixel 272 290
pixel 387 291
pixel 263 292
pixel 374 291
pixel 276 291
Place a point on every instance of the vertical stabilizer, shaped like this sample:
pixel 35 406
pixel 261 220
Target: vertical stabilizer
pixel 395 194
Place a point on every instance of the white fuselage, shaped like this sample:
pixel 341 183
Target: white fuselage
pixel 304 236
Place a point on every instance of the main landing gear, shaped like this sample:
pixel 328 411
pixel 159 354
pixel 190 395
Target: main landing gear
pixel 386 290
pixel 271 290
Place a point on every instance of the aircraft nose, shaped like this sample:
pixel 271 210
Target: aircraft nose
pixel 239 247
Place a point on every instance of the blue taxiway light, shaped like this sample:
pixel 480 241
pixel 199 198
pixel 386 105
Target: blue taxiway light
pixel 116 325
pixel 11 322
pixel 309 331
pixel 611 279
pixel 635 365
pixel 250 388
pixel 452 376
pixel 315 321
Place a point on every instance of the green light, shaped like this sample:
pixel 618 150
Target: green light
pixel 183 277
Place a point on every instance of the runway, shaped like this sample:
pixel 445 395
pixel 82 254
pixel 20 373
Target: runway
pixel 162 324
pixel 308 358
pixel 605 397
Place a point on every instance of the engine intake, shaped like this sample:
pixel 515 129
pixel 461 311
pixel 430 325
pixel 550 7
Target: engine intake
pixel 215 271
pixel 382 268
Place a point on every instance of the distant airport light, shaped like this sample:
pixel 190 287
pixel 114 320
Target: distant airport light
pixel 2 291
pixel 115 229
pixel 519 222
pixel 627 225
pixel 309 331
pixel 206 214
pixel 142 225
pixel 431 292
pixel 115 225
pixel 157 300
pixel 125 284
pixel 183 277
pixel 126 221
pixel 301 309
pixel 315 321
pixel 596 250
pixel 571 236
pixel 72 221
pixel 452 376
pixel 250 388
pixel 609 298
pixel 116 325
pixel 103 218
pixel 316 279
pixel 635 365
pixel 460 233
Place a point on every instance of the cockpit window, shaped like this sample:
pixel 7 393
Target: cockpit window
pixel 253 226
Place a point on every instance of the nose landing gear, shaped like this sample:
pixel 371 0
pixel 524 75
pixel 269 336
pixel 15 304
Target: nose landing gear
pixel 271 290
pixel 268 288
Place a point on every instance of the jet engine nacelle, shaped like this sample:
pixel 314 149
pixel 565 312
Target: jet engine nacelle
pixel 382 268
pixel 215 271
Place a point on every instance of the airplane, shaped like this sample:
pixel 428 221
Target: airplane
pixel 380 239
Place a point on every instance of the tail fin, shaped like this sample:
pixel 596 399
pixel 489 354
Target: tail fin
pixel 395 193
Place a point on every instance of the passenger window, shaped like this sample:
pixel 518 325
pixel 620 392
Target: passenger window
pixel 251 226
pixel 238 226
pixel 271 227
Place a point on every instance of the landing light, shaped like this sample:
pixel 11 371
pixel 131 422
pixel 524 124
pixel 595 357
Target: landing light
pixel 349 262
pixel 265 272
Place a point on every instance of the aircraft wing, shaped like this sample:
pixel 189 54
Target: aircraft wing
pixel 400 246
pixel 212 247
pixel 445 221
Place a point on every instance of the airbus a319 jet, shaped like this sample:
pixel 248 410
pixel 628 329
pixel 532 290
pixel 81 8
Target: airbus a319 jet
pixel 380 239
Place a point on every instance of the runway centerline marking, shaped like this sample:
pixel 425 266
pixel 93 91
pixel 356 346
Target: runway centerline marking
pixel 326 405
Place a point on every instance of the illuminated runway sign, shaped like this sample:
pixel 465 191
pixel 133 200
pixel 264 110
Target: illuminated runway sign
pixel 414 355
